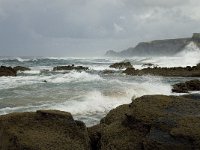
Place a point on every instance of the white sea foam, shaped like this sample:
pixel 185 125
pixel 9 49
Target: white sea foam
pixel 91 102
pixel 73 76
pixel 13 82
pixel 97 101
pixel 190 56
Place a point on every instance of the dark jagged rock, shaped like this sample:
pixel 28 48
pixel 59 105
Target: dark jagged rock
pixel 151 122
pixel 43 130
pixel 121 65
pixel 7 71
pixel 20 68
pixel 192 85
pixel 158 71
pixel 70 67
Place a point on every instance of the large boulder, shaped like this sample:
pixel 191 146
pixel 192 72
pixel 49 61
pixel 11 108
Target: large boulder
pixel 151 122
pixel 70 67
pixel 7 71
pixel 121 65
pixel 43 130
pixel 20 68
pixel 192 85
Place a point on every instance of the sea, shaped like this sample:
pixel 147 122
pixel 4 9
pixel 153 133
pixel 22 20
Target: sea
pixel 87 95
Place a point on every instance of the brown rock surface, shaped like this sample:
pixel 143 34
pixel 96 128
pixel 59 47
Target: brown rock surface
pixel 121 65
pixel 7 71
pixel 192 85
pixel 158 71
pixel 70 67
pixel 152 122
pixel 43 130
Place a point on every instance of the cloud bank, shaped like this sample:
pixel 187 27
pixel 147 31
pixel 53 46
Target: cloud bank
pixel 90 27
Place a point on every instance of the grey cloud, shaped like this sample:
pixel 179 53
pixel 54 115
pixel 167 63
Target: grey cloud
pixel 90 27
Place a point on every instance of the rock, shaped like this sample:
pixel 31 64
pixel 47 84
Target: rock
pixel 121 65
pixel 158 71
pixel 20 68
pixel 45 81
pixel 151 122
pixel 70 67
pixel 192 85
pixel 43 130
pixel 198 66
pixel 7 71
pixel 149 65
pixel 108 72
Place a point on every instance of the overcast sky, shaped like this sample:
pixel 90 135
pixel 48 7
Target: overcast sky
pixel 90 27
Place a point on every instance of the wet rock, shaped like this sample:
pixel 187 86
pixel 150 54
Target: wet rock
pixel 149 65
pixel 70 67
pixel 43 130
pixel 20 68
pixel 152 122
pixel 45 81
pixel 108 72
pixel 158 71
pixel 7 71
pixel 192 85
pixel 121 65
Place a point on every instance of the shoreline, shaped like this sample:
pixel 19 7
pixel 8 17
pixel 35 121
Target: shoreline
pixel 149 121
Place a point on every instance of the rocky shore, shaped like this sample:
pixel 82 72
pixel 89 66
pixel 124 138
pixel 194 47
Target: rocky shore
pixel 149 122
pixel 159 71
pixel 192 85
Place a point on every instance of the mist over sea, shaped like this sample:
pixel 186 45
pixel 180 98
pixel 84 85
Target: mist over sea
pixel 88 95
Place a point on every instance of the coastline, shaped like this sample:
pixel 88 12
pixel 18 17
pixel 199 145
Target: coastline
pixel 149 122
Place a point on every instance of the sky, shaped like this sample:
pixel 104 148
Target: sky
pixel 91 27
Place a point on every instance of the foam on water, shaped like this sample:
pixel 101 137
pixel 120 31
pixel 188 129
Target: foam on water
pixel 13 82
pixel 74 76
pixel 190 56
pixel 88 95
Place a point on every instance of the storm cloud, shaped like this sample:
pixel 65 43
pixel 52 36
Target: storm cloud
pixel 90 27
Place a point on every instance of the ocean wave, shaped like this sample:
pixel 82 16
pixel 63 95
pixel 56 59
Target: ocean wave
pixel 73 76
pixel 18 59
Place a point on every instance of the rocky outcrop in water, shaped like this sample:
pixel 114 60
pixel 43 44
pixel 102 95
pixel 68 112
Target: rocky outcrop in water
pixel 20 68
pixel 108 72
pixel 158 71
pixel 149 65
pixel 70 67
pixel 150 122
pixel 192 85
pixel 167 47
pixel 121 65
pixel 43 130
pixel 7 71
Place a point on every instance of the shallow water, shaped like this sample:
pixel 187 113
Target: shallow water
pixel 87 95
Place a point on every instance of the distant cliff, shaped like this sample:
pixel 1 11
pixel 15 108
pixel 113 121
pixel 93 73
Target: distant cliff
pixel 157 48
